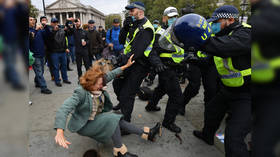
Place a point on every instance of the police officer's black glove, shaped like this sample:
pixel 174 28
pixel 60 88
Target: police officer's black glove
pixel 122 59
pixel 160 68
pixel 191 58
pixel 127 23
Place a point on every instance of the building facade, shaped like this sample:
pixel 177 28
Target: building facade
pixel 63 9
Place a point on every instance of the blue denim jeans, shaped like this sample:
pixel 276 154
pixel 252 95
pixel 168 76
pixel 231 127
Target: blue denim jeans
pixel 38 68
pixel 9 58
pixel 59 60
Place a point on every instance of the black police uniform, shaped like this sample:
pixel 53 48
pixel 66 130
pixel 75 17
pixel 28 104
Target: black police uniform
pixel 127 86
pixel 265 96
pixel 168 84
pixel 235 100
pixel 203 69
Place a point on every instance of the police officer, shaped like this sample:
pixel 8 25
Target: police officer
pixel 170 57
pixel 152 74
pixel 202 68
pixel 232 56
pixel 266 78
pixel 137 35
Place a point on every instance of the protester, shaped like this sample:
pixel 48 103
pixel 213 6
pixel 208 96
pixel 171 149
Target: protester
pixel 37 47
pixel 112 38
pixel 58 48
pixel 91 103
pixel 95 42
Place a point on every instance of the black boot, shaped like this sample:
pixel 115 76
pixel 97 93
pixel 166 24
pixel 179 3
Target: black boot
pixel 206 139
pixel 150 133
pixel 172 127
pixel 150 108
pixel 122 152
pixel 118 107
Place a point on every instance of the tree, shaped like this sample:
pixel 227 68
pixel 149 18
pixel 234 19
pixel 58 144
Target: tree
pixel 33 11
pixel 109 20
pixel 154 8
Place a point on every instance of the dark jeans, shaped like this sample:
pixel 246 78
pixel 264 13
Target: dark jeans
pixel 239 120
pixel 209 76
pixel 80 58
pixel 129 86
pixel 168 84
pixel 97 56
pixel 38 68
pixel 59 60
pixel 72 53
pixel 9 58
pixel 49 62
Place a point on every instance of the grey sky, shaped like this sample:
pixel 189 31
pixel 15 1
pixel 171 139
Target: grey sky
pixel 105 6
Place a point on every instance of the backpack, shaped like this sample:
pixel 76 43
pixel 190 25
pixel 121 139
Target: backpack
pixel 60 37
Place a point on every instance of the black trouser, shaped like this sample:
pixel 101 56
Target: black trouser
pixel 129 86
pixel 266 137
pixel 82 56
pixel 50 64
pixel 208 74
pixel 168 84
pixel 238 121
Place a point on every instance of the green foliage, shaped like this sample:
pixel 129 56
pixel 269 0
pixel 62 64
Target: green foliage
pixel 155 8
pixel 109 20
pixel 33 11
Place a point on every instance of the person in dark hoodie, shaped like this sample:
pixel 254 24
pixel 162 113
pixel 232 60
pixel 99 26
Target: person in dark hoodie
pixel 81 47
pixel 58 48
pixel 38 49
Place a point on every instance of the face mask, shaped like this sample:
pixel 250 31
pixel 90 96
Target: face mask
pixel 171 21
pixel 155 26
pixel 216 27
pixel 133 18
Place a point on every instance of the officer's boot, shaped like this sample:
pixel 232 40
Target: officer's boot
pixel 151 108
pixel 122 152
pixel 207 135
pixel 150 133
pixel 168 124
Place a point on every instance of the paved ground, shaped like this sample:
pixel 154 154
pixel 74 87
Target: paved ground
pixel 41 133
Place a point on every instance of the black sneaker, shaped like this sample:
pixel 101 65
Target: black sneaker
pixel 66 81
pixel 58 84
pixel 46 91
pixel 37 86
pixel 200 135
pixel 150 108
pixel 172 127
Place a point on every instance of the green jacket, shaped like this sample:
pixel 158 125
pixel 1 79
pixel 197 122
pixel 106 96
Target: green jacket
pixel 81 103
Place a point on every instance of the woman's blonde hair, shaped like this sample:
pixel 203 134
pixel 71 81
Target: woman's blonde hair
pixel 98 70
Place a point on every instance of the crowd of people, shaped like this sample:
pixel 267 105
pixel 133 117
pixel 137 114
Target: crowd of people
pixel 216 52
pixel 58 46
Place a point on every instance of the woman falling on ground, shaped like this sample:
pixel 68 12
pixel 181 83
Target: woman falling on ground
pixel 91 117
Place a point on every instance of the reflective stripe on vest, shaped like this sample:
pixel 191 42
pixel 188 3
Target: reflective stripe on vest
pixel 128 42
pixel 66 41
pixel 176 56
pixel 263 69
pixel 230 76
pixel 201 54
